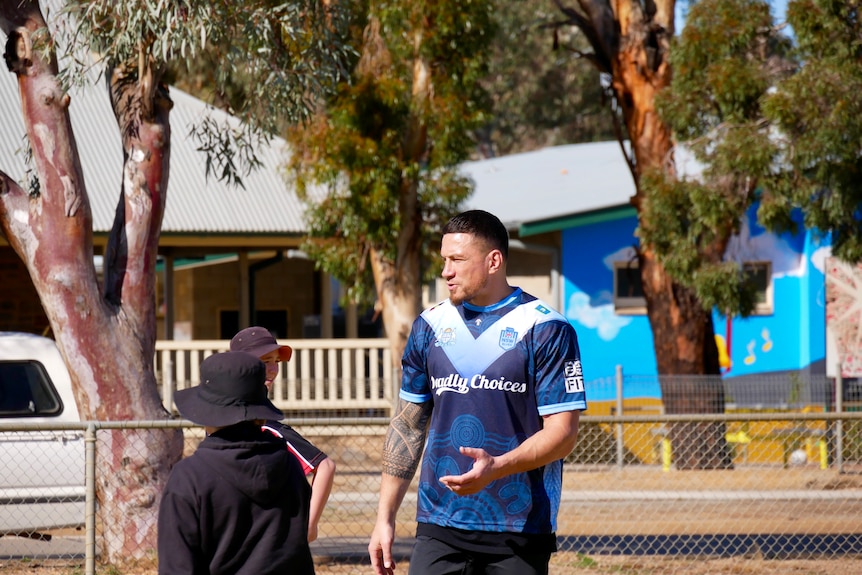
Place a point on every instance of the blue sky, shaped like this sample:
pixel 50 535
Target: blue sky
pixel 778 9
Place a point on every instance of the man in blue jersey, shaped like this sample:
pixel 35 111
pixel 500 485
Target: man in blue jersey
pixel 492 390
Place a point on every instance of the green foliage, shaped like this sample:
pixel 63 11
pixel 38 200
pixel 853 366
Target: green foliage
pixel 358 164
pixel 585 562
pixel 819 115
pixel 541 96
pixel 229 152
pixel 286 54
pixel 725 60
pixel 765 131
pixel 685 222
pixel 719 66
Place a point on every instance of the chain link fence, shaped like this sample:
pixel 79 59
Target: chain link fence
pixel 776 480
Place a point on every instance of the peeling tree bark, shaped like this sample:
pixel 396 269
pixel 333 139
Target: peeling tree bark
pixel 106 337
pixel 398 282
pixel 630 42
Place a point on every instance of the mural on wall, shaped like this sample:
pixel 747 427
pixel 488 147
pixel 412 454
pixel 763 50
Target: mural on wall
pixel 762 342
pixel 844 314
pixel 606 339
pixel 791 336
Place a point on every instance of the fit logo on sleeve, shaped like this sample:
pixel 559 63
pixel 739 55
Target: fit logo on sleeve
pixel 574 376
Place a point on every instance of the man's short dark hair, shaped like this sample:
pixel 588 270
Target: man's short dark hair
pixel 483 225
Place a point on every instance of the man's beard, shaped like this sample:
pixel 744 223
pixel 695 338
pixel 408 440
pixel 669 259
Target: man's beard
pixel 460 297
pixel 466 294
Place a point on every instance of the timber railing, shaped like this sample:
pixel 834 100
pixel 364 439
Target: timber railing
pixel 325 377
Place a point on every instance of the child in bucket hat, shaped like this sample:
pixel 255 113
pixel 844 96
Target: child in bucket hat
pixel 239 504
pixel 259 342
pixel 232 390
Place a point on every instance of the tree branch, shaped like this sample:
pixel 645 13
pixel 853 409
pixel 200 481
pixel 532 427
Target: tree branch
pixel 596 20
pixel 13 210
pixel 63 212
pixel 142 113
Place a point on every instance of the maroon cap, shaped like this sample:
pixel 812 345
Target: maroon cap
pixel 258 341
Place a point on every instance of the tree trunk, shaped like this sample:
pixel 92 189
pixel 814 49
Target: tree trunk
pixel 630 42
pixel 107 339
pixel 397 289
pixel 398 283
pixel 688 367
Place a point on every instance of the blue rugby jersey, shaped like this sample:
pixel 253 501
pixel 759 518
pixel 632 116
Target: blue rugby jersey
pixel 492 373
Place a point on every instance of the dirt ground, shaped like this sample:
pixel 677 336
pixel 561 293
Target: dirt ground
pixel 561 564
pixel 591 507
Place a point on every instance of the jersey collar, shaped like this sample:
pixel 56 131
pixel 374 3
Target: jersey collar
pixel 502 303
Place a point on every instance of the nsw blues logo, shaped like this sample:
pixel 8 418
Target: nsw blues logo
pixel 445 336
pixel 508 338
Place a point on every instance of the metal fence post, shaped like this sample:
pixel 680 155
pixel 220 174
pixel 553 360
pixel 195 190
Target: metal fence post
pixel 90 500
pixel 619 426
pixel 839 425
pixel 168 381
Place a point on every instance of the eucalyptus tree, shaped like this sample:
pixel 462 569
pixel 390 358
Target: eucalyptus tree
pixel 630 44
pixel 817 114
pixel 541 97
pixel 727 57
pixel 290 52
pixel 775 122
pixel 386 150
pixel 726 60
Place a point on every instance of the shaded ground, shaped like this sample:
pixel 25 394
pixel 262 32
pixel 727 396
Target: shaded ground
pixel 646 507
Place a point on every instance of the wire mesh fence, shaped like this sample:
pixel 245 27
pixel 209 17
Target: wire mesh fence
pixel 773 480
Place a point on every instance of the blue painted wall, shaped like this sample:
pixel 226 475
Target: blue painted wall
pixel 793 337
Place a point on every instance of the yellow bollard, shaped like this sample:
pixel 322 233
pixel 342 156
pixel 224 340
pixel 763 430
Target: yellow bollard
pixel 666 454
pixel 824 454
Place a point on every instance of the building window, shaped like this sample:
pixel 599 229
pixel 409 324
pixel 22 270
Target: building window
pixel 760 273
pixel 628 289
pixel 629 295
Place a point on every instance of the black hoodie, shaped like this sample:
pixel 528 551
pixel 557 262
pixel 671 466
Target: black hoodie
pixel 239 504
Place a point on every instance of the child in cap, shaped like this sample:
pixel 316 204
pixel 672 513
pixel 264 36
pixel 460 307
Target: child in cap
pixel 259 342
pixel 239 504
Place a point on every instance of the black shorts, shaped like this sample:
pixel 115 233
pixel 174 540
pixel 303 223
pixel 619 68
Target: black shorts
pixel 434 557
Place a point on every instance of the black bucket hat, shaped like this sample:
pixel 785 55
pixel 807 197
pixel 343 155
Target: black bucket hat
pixel 232 390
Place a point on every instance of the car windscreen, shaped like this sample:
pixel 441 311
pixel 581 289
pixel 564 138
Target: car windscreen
pixel 27 391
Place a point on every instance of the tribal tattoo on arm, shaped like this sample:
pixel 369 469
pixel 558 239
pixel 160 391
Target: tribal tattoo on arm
pixel 405 439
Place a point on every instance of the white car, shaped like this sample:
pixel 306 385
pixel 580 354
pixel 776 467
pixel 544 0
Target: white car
pixel 42 474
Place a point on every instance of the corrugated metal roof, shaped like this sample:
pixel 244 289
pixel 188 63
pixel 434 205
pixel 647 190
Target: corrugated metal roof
pixel 520 188
pixel 195 204
pixel 551 182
